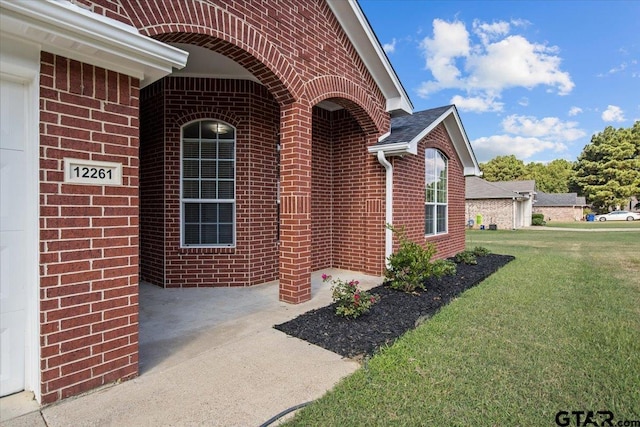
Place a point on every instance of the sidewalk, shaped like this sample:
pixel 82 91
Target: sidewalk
pixel 210 357
pixel 588 230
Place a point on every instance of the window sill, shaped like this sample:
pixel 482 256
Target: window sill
pixel 207 250
pixel 430 236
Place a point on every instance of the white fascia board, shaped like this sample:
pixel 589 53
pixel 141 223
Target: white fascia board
pixel 65 29
pixel 416 140
pixel 399 106
pixel 395 149
pixel 471 171
pixel 383 137
pixel 355 25
pixel 461 143
pixel 453 125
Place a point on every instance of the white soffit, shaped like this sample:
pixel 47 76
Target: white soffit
pixel 357 28
pixel 62 28
pixel 204 62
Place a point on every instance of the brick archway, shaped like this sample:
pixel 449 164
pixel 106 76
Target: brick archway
pixel 349 95
pixel 213 27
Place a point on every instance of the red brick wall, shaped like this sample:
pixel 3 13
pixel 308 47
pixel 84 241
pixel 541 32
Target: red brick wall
pixel 350 193
pixel 322 191
pixel 253 112
pixel 408 195
pixel 88 233
pixel 345 181
pixel 152 184
pixel 288 45
pixel 339 186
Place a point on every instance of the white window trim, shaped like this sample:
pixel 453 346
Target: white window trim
pixel 235 192
pixel 436 203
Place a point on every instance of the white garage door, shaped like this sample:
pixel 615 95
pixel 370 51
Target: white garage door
pixel 13 240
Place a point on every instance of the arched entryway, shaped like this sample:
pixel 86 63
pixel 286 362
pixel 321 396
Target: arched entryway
pixel 281 100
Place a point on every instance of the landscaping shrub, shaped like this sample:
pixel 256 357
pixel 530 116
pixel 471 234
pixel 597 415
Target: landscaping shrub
pixel 481 251
pixel 467 257
pixel 538 219
pixel 410 266
pixel 443 267
pixel 350 301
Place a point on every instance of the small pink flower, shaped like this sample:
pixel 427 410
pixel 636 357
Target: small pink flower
pixel 373 300
pixel 325 277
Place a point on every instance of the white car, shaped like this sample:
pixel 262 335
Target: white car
pixel 618 216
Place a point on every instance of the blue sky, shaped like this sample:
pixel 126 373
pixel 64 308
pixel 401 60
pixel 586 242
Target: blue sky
pixel 531 78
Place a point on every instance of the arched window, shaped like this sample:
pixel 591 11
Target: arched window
pixel 435 204
pixel 208 184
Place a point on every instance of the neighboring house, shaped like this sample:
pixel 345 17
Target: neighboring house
pixel 560 206
pixel 198 144
pixel 505 204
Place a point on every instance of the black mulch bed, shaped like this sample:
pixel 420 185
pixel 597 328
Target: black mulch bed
pixel 394 314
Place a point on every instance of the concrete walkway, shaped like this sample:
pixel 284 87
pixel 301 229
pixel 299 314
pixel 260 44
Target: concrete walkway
pixel 589 230
pixel 207 357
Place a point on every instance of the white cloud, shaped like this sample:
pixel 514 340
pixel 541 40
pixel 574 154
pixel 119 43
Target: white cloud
pixel 390 47
pixel 574 111
pixel 526 136
pixel 524 101
pixel 477 104
pixel 550 128
pixel 619 68
pixel 488 32
pixel 495 62
pixel 613 113
pixel 514 61
pixel 486 148
pixel 450 41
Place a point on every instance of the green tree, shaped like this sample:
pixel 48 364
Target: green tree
pixel 554 177
pixel 503 168
pixel 608 169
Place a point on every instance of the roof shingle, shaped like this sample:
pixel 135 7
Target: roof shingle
pixel 559 199
pixel 478 188
pixel 406 128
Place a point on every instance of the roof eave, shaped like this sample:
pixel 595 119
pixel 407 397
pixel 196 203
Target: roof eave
pixel 461 143
pixel 65 29
pixel 395 149
pixel 356 26
pixel 453 125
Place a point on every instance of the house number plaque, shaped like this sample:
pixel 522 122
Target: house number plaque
pixel 78 171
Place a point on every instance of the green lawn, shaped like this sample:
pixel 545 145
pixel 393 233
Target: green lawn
pixel 556 329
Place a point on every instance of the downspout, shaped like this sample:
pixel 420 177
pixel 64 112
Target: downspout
pixel 388 234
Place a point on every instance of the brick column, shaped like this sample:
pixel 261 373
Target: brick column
pixel 374 262
pixel 295 203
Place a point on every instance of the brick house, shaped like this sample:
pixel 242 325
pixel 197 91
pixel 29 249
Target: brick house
pixel 196 144
pixel 560 206
pixel 506 204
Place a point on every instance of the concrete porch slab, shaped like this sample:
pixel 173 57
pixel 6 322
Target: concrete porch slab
pixel 211 357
